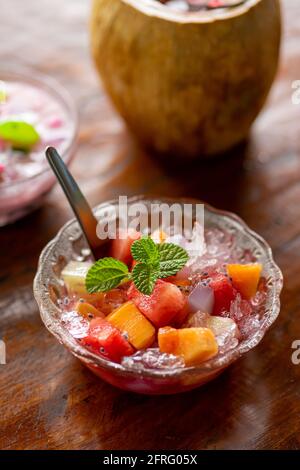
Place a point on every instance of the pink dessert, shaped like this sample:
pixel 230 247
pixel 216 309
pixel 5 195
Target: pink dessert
pixel 33 116
pixel 25 103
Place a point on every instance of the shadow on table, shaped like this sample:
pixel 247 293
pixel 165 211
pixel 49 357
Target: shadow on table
pixel 220 180
pixel 202 418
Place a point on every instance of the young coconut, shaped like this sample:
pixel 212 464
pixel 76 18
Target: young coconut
pixel 187 84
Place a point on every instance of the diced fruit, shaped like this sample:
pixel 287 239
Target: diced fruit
pixel 162 306
pixel 181 316
pixel 245 278
pixel 181 282
pixel 197 319
pixel 88 310
pixel 112 300
pixel 130 320
pixel 181 278
pixel 201 298
pixel 195 345
pixel 74 275
pixel 224 294
pixel 20 134
pixel 106 340
pixel 168 341
pixel 121 246
pixel 183 275
pixel 222 326
pixel 159 236
pixel 225 330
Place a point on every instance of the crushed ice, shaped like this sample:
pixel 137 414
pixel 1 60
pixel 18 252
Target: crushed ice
pixel 75 323
pixel 152 358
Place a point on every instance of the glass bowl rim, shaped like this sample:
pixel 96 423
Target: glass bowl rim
pixel 57 91
pixel 48 308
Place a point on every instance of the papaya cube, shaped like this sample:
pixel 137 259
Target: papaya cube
pixel 128 319
pixel 245 278
pixel 195 345
pixel 74 275
pixel 88 310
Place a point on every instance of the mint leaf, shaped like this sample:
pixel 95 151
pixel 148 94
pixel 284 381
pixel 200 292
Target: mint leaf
pixel 154 262
pixel 145 250
pixel 105 274
pixel 171 259
pixel 144 277
pixel 21 135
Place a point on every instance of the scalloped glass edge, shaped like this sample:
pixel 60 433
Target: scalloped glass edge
pixel 48 309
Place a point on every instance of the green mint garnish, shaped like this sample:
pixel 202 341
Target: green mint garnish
pixel 154 261
pixel 145 250
pixel 144 277
pixel 171 259
pixel 21 135
pixel 105 274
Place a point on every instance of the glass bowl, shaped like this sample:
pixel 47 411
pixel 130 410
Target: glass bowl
pixel 69 244
pixel 19 197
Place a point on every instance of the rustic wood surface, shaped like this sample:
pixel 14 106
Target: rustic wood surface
pixel 48 399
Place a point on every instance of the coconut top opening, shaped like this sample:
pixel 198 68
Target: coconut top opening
pixel 178 11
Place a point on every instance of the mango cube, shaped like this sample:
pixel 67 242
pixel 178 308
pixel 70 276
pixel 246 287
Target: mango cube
pixel 88 310
pixel 195 345
pixel 128 319
pixel 245 278
pixel 74 275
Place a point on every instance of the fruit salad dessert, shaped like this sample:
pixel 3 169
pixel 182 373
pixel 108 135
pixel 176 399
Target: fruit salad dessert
pixel 30 120
pixel 155 303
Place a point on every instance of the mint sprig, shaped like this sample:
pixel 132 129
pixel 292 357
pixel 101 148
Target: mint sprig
pixel 105 274
pixel 145 250
pixel 154 261
pixel 171 259
pixel 144 277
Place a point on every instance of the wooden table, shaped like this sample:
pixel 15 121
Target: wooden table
pixel 48 400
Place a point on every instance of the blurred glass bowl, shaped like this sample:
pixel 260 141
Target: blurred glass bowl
pixel 69 244
pixel 19 197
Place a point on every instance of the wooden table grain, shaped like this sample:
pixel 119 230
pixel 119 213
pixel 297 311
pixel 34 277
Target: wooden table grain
pixel 48 399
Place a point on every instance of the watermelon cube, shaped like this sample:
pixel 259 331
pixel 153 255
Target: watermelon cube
pixel 224 293
pixel 121 246
pixel 106 340
pixel 161 307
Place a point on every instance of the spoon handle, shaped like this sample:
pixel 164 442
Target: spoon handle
pixel 79 204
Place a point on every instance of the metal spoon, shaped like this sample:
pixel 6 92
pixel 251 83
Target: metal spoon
pixel 79 204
